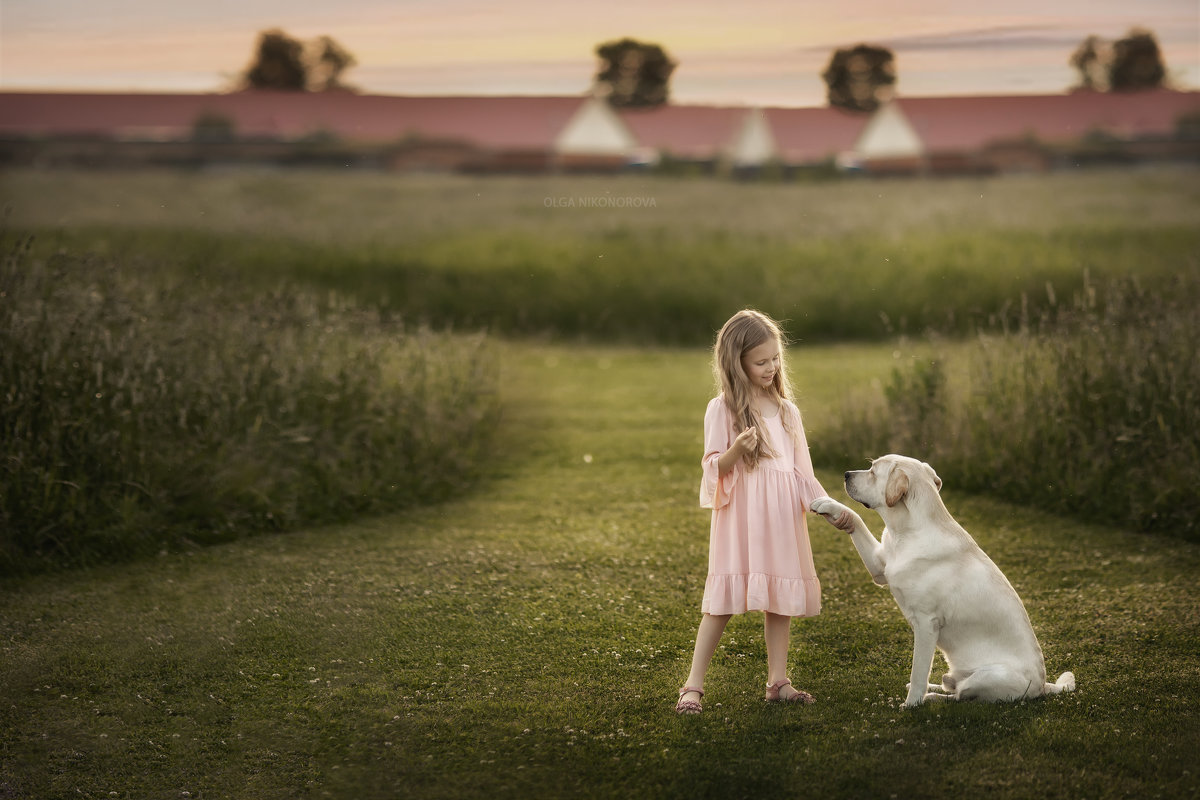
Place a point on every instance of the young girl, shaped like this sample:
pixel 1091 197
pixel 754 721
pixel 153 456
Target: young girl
pixel 758 480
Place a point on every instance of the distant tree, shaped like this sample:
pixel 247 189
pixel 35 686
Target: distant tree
pixel 860 78
pixel 284 63
pixel 634 74
pixel 1126 65
pixel 1137 62
pixel 327 61
pixel 1091 59
pixel 278 63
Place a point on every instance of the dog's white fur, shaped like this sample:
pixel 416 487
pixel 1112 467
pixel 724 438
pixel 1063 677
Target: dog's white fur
pixel 954 597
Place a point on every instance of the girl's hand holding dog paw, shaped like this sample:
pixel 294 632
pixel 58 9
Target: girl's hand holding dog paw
pixel 844 521
pixel 838 515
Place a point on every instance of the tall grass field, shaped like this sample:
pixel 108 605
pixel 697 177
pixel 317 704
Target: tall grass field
pixel 141 412
pixel 471 410
pixel 1104 428
pixel 859 260
pixel 527 640
pixel 1092 409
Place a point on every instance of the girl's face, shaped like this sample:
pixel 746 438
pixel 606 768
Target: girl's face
pixel 761 363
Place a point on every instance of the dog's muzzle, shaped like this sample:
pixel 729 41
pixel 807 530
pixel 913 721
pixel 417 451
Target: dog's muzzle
pixel 848 482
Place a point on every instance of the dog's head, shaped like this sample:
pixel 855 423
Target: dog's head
pixel 892 480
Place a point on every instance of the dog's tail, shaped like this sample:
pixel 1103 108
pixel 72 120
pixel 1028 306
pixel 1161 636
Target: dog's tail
pixel 1065 683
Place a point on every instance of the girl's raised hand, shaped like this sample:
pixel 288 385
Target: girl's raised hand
pixel 747 440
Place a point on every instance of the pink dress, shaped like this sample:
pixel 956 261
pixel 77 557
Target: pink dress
pixel 759 557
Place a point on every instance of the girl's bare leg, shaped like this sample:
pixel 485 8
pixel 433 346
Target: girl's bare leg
pixel 707 639
pixel 778 631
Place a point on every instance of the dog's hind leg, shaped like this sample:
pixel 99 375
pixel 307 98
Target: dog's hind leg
pixel 1065 683
pixel 934 692
pixel 997 682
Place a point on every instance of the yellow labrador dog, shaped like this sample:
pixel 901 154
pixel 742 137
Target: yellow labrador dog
pixel 954 597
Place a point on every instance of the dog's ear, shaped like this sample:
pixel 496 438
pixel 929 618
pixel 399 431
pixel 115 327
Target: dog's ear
pixel 897 486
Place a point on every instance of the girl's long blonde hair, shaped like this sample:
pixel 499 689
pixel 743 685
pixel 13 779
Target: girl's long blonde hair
pixel 745 331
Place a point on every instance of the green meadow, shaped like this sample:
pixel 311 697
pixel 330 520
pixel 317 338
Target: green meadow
pixel 636 259
pixel 521 632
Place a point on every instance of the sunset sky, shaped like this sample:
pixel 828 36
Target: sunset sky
pixel 748 52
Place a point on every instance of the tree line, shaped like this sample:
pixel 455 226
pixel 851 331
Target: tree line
pixel 634 74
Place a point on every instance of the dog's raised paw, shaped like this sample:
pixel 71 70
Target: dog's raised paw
pixel 827 507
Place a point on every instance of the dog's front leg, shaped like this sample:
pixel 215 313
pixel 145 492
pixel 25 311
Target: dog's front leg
pixel 868 547
pixel 925 634
pixel 869 550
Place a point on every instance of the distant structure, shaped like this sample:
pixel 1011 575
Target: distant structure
pixel 1029 132
pixel 906 135
pixel 484 134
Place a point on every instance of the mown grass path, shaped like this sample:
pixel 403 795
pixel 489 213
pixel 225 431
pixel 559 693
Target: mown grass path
pixel 528 640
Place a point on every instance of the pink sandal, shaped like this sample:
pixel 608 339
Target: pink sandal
pixel 688 706
pixel 801 696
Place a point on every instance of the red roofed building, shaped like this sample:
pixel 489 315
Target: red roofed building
pixel 988 133
pixel 745 138
pixel 706 134
pixel 805 136
pixel 521 132
pixel 538 134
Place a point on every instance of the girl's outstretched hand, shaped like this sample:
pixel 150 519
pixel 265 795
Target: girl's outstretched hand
pixel 844 521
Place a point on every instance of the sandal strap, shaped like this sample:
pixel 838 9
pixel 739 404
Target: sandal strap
pixel 774 687
pixel 689 706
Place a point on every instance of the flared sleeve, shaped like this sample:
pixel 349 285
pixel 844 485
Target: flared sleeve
pixel 718 437
pixel 810 488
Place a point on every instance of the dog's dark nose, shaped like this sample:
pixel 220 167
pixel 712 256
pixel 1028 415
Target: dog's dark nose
pixel 846 475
